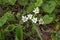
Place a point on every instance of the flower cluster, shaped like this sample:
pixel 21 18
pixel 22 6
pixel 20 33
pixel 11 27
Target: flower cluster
pixel 32 18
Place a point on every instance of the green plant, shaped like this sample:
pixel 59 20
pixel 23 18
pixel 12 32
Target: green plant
pixel 16 13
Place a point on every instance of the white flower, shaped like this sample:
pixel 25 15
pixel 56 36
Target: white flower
pixel 41 21
pixel 24 18
pixel 36 10
pixel 29 16
pixel 34 20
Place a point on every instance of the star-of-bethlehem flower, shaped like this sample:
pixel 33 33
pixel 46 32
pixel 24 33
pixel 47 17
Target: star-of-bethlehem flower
pixel 24 18
pixel 36 10
pixel 34 19
pixel 41 21
pixel 29 16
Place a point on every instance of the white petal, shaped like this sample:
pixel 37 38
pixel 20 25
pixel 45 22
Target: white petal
pixel 24 18
pixel 29 16
pixel 41 21
pixel 34 20
pixel 36 10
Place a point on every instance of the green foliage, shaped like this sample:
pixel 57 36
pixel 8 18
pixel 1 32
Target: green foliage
pixel 47 19
pixel 23 8
pixel 55 36
pixel 58 2
pixel 19 32
pixel 39 3
pixel 49 6
pixel 30 7
pixel 23 2
pixel 10 16
pixel 12 1
pixel 33 5
pixel 3 20
pixel 0 2
pixel 3 1
pixel 7 16
pixel 10 27
pixel 37 30
pixel 18 15
pixel 1 35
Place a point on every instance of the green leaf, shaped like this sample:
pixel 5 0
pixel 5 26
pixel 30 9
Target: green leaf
pixel 1 35
pixel 3 20
pixel 10 16
pixel 10 27
pixel 49 6
pixel 18 14
pixel 7 16
pixel 57 26
pixel 30 7
pixel 19 33
pixel 16 38
pixel 12 1
pixel 58 2
pixel 0 1
pixel 23 2
pixel 55 36
pixel 47 19
pixel 39 3
pixel 33 4
pixel 3 1
pixel 37 30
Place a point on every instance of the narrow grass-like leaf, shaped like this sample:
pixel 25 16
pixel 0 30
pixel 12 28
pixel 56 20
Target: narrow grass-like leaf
pixel 37 30
pixel 1 35
pixel 19 33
